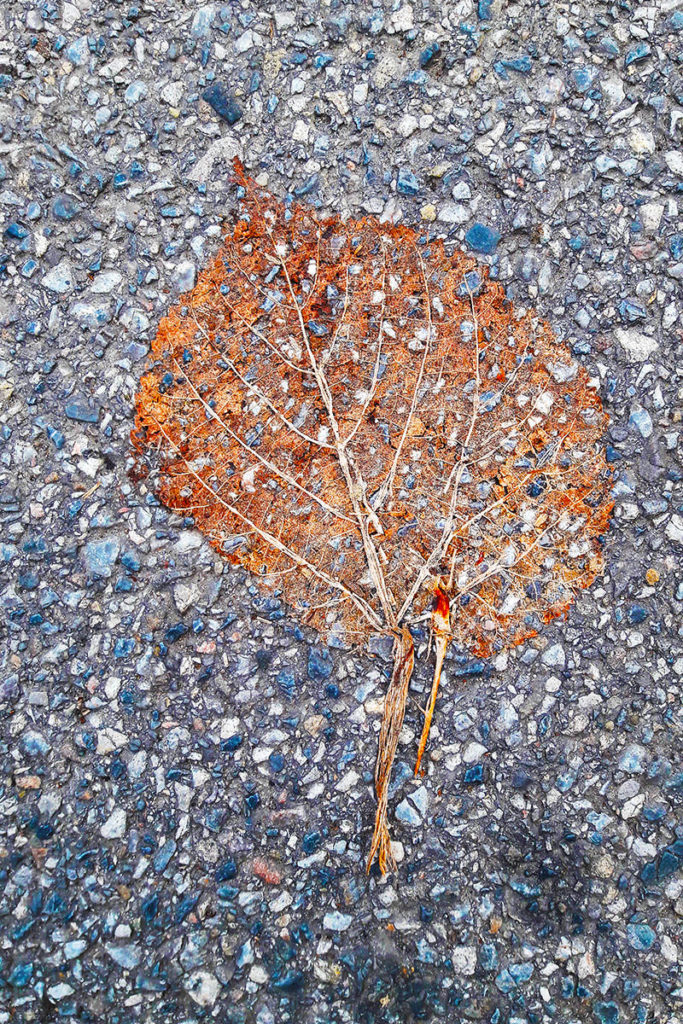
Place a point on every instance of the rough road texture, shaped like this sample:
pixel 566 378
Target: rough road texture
pixel 185 800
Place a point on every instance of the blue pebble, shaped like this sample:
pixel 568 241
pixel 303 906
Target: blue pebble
pixel 286 682
pixel 631 989
pixel 483 239
pixel 34 744
pixel 637 53
pixel 320 664
pixel 484 10
pixel 407 184
pixel 669 863
pixel 609 47
pixel 136 351
pixel 310 185
pixel 185 907
pixel 641 420
pixel 606 1013
pixel 214 819
pixel 124 646
pixel 77 52
pixel 474 775
pixel 163 855
pixel 15 230
pixel 135 92
pixel 311 841
pixel 64 208
pixel 131 561
pixel 637 614
pixel 99 556
pixel 429 53
pixel 276 762
pixel 78 409
pixel 504 981
pixel 222 101
pixel 640 937
pixel 676 246
pixel 21 975
pixel 415 77
pixel 524 889
pixel 521 973
pixel 520 64
pixel 150 907
pixel 488 957
pixel 631 312
pixel 471 284
pixel 583 78
pixel 175 632
pixel 226 870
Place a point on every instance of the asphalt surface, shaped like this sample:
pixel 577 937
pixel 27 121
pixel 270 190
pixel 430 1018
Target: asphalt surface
pixel 185 773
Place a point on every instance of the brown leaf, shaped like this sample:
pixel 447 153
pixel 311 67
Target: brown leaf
pixel 359 418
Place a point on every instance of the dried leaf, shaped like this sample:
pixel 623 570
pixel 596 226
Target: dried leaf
pixel 364 421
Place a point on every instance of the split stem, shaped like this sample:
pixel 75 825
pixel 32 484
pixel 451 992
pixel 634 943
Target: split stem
pixel 441 628
pixel 394 710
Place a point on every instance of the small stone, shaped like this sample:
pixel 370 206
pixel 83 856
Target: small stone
pixel 454 213
pixel 172 93
pixel 115 825
pixel 674 529
pixel 640 937
pixel 135 92
pixel 320 664
pixel 99 556
pixel 202 21
pixel 203 988
pixel 407 125
pixel 651 217
pixel 631 759
pixel 638 346
pixel 185 276
pixel 223 102
pixel 652 577
pixel 428 212
pixel 606 1013
pixel 641 420
pixel 60 279
pixel 554 657
pixel 674 161
pixel 642 142
pixel 335 921
pixel 406 183
pixel 34 744
pixel 482 239
pixel 406 813
pixel 267 871
pixel 464 960
pixel 127 957
pixel 79 409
